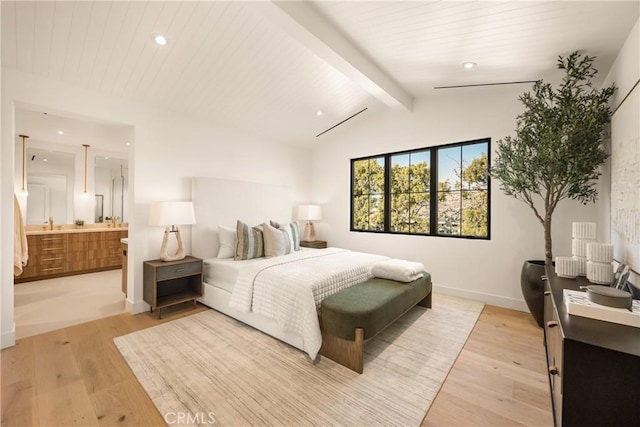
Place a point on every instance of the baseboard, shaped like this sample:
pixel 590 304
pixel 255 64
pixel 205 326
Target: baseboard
pixel 8 339
pixel 500 301
pixel 136 307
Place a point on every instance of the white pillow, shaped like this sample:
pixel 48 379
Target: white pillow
pixel 276 241
pixel 227 239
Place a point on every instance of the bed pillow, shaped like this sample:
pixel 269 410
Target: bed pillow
pixel 295 232
pixel 249 242
pixel 277 241
pixel 227 240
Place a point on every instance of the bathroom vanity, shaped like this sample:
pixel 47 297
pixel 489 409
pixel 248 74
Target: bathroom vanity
pixel 65 252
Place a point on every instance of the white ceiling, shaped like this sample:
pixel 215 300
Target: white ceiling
pixel 266 68
pixel 423 44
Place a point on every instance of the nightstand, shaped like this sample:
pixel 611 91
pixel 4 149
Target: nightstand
pixel 316 244
pixel 172 282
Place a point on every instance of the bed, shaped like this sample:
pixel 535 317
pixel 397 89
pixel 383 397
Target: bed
pixel 279 296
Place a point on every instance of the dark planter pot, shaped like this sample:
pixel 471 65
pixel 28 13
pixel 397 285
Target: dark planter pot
pixel 533 288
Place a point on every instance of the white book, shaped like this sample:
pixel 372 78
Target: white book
pixel 578 304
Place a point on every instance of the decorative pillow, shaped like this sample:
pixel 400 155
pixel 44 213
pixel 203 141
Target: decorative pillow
pixel 249 242
pixel 227 239
pixel 276 241
pixel 287 230
pixel 295 232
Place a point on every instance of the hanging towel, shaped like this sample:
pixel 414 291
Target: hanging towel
pixel 397 269
pixel 20 247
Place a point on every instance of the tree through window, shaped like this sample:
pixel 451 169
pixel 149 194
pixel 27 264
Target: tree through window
pixel 368 194
pixel 441 190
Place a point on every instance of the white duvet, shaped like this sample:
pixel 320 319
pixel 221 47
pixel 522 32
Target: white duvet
pixel 289 289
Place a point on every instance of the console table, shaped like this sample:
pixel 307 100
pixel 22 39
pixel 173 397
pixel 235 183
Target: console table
pixel 594 366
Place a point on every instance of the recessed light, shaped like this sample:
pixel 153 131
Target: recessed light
pixel 45 160
pixel 60 132
pixel 128 144
pixel 160 39
pixel 318 113
pixel 469 65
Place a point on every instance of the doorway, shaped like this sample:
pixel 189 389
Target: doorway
pixel 74 273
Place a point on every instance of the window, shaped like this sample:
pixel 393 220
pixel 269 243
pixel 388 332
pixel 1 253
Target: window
pixel 368 194
pixel 441 191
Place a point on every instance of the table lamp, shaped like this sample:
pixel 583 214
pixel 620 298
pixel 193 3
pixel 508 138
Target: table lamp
pixel 309 213
pixel 171 214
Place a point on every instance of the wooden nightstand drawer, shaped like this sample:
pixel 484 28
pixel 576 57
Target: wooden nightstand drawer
pixel 316 244
pixel 179 270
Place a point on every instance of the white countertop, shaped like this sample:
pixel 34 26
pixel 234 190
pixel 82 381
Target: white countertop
pixel 75 230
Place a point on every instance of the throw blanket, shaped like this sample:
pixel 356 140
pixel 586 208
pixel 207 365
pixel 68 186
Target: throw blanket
pixel 20 246
pixel 397 269
pixel 290 288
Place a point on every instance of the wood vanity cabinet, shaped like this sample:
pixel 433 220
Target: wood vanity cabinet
pixel 104 251
pixel 64 254
pixel 47 256
pixel 594 366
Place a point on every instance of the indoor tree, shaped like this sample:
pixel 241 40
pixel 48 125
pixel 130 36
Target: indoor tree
pixel 558 148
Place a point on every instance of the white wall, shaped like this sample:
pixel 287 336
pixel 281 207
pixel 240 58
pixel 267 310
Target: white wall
pixel 167 152
pixel 625 70
pixel 480 269
pixel 625 73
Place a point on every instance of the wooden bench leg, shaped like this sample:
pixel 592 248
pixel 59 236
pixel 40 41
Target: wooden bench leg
pixel 426 301
pixel 345 352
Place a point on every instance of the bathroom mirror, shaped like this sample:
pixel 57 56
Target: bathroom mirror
pixel 111 183
pixel 99 215
pixel 50 178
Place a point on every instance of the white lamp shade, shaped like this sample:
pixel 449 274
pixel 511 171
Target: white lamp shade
pixel 171 213
pixel 309 212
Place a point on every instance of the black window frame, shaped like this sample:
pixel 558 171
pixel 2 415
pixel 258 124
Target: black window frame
pixel 433 185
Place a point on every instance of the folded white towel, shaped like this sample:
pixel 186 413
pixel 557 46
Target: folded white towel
pixel 398 269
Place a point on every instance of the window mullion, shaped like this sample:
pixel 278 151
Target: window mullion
pixel 433 193
pixel 387 193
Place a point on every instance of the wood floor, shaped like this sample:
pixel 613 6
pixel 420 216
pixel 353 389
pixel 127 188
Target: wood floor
pixel 499 378
pixel 76 376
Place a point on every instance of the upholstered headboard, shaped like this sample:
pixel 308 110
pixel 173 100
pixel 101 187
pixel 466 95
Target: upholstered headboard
pixel 223 202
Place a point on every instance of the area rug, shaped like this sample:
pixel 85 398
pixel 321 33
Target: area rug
pixel 210 369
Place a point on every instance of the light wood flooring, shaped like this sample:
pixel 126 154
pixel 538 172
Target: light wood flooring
pixel 76 376
pixel 499 378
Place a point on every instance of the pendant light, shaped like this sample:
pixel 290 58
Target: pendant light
pixel 85 194
pixel 24 165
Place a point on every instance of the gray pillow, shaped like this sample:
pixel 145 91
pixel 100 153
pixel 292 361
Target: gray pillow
pixel 249 242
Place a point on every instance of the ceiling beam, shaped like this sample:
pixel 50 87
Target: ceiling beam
pixel 301 21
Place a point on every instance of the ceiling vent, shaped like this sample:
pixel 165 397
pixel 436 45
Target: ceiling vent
pixel 486 84
pixel 338 124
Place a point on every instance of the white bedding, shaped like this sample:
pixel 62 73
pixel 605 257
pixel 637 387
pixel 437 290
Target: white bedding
pixel 223 272
pixel 289 289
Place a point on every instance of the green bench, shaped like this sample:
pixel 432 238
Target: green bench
pixel 358 313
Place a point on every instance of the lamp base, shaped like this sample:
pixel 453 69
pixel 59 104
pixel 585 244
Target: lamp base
pixel 179 254
pixel 309 233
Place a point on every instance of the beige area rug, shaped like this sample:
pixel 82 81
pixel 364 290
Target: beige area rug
pixel 208 368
